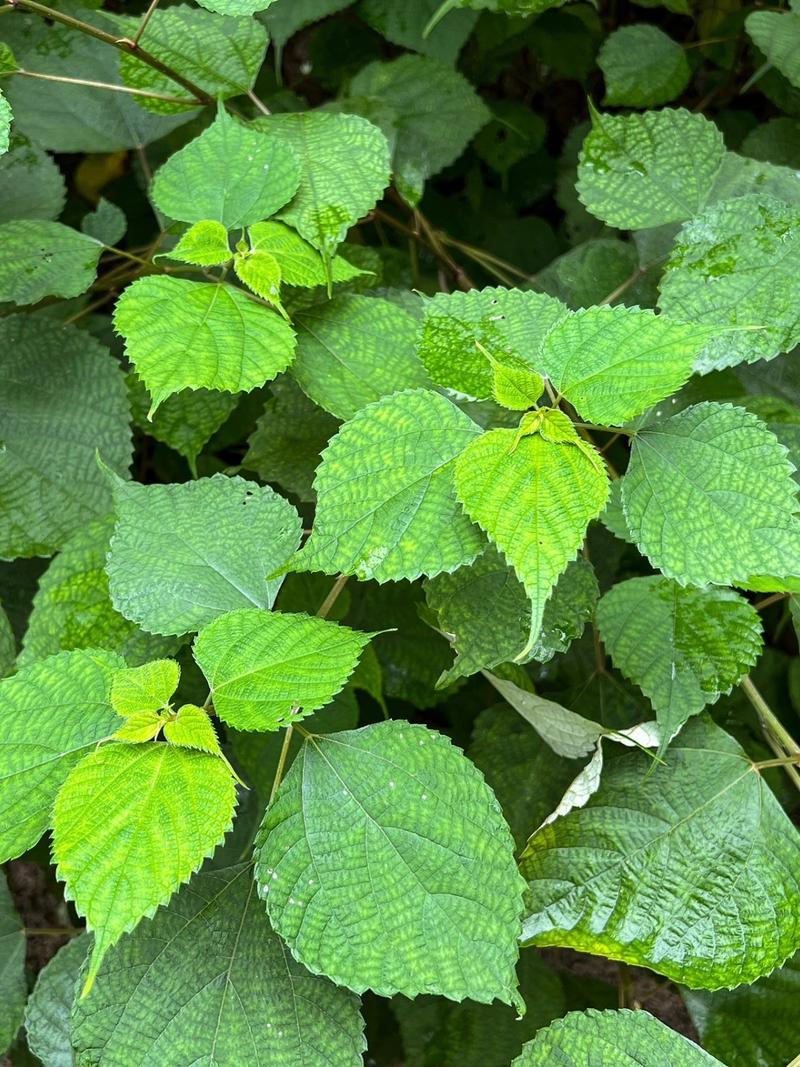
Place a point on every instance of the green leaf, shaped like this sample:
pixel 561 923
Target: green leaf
pixel 642 67
pixel 220 55
pixel 106 224
pixel 709 498
pixel 285 17
pixel 170 577
pixel 434 114
pixel 516 387
pixel 513 133
pixel 508 324
pixel 612 1039
pixel 145 688
pixel 406 25
pixel 432 899
pixel 738 264
pixel 344 166
pixel 592 271
pixel 268 669
pixel 753 1024
pixel 192 728
pixel 726 913
pixel 40 258
pixel 5 123
pixel 235 7
pixel 354 350
pixel 62 402
pixel 777 34
pixel 550 476
pixel 72 607
pixel 48 1027
pixel 739 177
pixel 231 173
pixel 396 516
pixel 31 185
pixel 645 170
pixel 260 272
pixel 300 263
pixel 613 363
pixel 682 647
pixel 205 243
pixel 13 983
pixel 8 644
pixel 139 727
pixel 119 859
pixel 236 994
pixel 39 749
pixel 236 344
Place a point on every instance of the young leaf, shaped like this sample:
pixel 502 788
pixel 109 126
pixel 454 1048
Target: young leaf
pixel 231 173
pixel 397 515
pixel 777 34
pixel 431 902
pixel 13 983
pixel 300 263
pixel 645 170
pixel 167 574
pixel 192 728
pixel 642 67
pixel 260 272
pixel 145 688
pixel 40 258
pixel 31 185
pixel 236 994
pixel 727 912
pixel 235 7
pixel 709 498
pixel 354 350
pixel 48 1027
pixel 612 1039
pixel 267 669
pixel 738 264
pixel 132 822
pixel 515 386
pixel 534 496
pixel 139 727
pixel 38 749
pixel 205 243
pixel 187 335
pixel 682 647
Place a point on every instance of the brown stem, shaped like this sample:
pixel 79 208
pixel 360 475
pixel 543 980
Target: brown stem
pixel 145 19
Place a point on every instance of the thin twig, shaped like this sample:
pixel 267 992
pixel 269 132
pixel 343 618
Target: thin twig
pixel 52 931
pixel 145 19
pixel 781 741
pixel 262 107
pixel 768 601
pixel 624 286
pixel 185 101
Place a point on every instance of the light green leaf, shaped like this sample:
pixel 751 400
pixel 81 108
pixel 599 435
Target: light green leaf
pixel 534 499
pixel 682 647
pixel 72 607
pixel 239 8
pixel 145 688
pixel 48 1027
pixel 31 185
pixel 231 173
pixel 236 994
pixel 13 983
pixel 62 402
pixel 738 264
pixel 344 166
pixel 205 243
pixel 709 498
pixel 300 263
pixel 354 350
pixel 38 749
pixel 777 34
pixel 612 1039
pixel 406 24
pixel 5 123
pixel 167 574
pixel 509 324
pixel 189 335
pixel 116 822
pixel 644 170
pixel 40 258
pixel 642 67
pixel 727 912
pixel 260 272
pixel 139 727
pixel 8 644
pixel 268 669
pixel 396 516
pixel 192 728
pixel 432 899
pixel 220 55
pixel 613 363
pixel 106 224
pixel 515 386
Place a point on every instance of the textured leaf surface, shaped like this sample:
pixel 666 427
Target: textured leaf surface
pixel 429 899
pixel 13 983
pixel 31 185
pixel 5 123
pixel 778 37
pixel 145 688
pixel 231 173
pixel 285 17
pixel 130 824
pixel 738 264
pixel 263 666
pixel 407 25
pixel 386 502
pixel 613 363
pixel 709 498
pixel 344 163
pixel 642 67
pixel 48 1027
pixel 192 728
pixel 236 994
pixel 300 263
pixel 728 912
pixel 534 503
pixel 38 749
pixel 186 335
pixel 683 647
pixel 612 1039
pixel 645 170
pixel 508 324
pixel 167 574
pixel 353 350
pixel 106 224
pixel 205 243
pixel 40 258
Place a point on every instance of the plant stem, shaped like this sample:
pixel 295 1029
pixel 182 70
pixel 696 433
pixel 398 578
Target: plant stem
pixel 124 44
pixel 332 597
pixel 780 761
pixel 262 107
pixel 768 601
pixel 615 430
pixel 624 286
pixel 145 19
pixel 780 740
pixel 104 85
pixel 52 931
